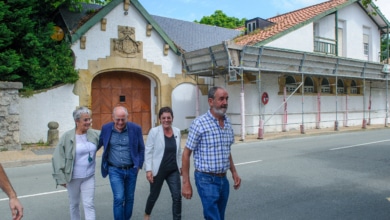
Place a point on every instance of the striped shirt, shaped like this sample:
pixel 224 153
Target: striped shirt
pixel 210 143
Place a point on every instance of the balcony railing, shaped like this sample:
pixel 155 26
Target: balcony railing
pixel 324 45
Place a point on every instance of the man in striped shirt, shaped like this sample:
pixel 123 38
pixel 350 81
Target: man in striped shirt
pixel 210 138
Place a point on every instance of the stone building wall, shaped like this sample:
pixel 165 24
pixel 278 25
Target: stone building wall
pixel 9 115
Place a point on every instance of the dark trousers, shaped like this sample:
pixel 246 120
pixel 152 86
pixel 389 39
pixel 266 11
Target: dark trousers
pixel 172 177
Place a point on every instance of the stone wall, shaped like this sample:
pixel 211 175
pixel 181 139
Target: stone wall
pixel 9 115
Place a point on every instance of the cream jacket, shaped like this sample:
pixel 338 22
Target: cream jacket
pixel 155 146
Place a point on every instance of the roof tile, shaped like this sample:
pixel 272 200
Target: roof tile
pixel 285 21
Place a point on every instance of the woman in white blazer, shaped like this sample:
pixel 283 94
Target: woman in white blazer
pixel 163 162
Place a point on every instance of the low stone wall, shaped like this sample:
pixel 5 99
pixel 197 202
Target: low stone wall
pixel 9 115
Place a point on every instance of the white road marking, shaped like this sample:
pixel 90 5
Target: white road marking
pixel 357 145
pixel 61 191
pixel 38 194
pixel 255 161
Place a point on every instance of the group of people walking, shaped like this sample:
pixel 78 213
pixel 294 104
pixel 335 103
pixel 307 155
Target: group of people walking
pixel 210 138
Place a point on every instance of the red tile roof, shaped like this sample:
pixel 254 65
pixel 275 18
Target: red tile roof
pixel 285 21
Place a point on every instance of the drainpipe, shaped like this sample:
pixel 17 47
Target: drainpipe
pixel 336 123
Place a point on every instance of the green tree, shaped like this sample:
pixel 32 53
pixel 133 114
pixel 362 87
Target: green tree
pixel 27 52
pixel 220 19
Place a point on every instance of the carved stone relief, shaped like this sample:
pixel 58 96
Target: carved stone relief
pixel 126 45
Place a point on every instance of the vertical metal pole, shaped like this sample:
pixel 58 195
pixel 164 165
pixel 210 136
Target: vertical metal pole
pixel 387 100
pixel 260 131
pixel 318 110
pixel 364 98
pixel 284 128
pixel 369 106
pixel 242 98
pixel 303 93
pixel 336 123
pixel 346 111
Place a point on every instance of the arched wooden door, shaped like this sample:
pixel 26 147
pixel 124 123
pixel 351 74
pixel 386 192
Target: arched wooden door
pixel 121 88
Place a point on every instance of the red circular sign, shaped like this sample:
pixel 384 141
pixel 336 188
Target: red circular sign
pixel 264 98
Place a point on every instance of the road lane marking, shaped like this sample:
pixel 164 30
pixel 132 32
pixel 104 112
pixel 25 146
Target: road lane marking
pixel 357 145
pixel 60 191
pixel 38 194
pixel 255 161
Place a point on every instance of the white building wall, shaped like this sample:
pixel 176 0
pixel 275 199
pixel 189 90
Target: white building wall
pixel 300 39
pixel 37 111
pixel 99 41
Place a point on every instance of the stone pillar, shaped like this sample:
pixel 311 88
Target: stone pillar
pixel 52 134
pixel 9 115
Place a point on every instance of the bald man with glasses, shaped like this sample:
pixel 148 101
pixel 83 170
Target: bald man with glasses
pixel 122 158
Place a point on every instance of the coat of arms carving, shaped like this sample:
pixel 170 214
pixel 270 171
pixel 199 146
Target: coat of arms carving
pixel 126 45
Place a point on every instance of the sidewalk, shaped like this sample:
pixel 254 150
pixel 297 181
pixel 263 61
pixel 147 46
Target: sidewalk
pixel 34 155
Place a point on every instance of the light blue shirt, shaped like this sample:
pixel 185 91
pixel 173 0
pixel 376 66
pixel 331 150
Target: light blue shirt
pixel 119 153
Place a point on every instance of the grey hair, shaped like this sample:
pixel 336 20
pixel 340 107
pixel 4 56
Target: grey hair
pixel 79 111
pixel 124 109
pixel 212 90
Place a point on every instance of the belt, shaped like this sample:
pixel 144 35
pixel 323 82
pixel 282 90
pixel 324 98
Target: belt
pixel 126 167
pixel 213 174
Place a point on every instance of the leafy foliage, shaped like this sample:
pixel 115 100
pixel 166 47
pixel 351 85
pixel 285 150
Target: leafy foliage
pixel 220 19
pixel 27 52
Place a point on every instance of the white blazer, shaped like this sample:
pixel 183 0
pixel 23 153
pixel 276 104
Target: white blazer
pixel 155 147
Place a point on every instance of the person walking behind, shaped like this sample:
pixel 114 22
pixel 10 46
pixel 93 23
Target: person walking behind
pixel 74 164
pixel 163 162
pixel 122 158
pixel 210 138
pixel 14 203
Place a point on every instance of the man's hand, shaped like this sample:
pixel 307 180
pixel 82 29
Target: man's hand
pixel 186 190
pixel 16 208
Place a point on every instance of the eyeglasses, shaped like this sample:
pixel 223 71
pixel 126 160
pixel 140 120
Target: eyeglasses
pixel 120 119
pixel 87 119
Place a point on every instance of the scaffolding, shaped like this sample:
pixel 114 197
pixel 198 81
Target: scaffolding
pixel 232 61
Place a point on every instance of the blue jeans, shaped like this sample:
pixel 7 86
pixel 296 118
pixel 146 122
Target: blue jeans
pixel 214 193
pixel 123 186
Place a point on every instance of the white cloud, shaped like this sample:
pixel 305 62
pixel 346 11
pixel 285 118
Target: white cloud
pixel 384 7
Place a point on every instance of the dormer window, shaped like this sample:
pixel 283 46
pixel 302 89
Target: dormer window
pixel 256 23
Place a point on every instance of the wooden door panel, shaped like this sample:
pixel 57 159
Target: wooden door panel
pixel 107 89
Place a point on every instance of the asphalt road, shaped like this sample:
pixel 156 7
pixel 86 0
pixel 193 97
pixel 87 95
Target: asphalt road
pixel 337 176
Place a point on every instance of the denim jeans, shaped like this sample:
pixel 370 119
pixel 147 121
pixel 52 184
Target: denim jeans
pixel 214 193
pixel 123 186
pixel 173 180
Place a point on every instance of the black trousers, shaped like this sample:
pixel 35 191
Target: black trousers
pixel 172 177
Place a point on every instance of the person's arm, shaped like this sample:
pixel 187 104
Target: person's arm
pixel 236 178
pixel 14 203
pixel 149 149
pixel 185 171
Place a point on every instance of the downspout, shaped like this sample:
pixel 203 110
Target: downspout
pixel 284 126
pixel 318 109
pixel 346 111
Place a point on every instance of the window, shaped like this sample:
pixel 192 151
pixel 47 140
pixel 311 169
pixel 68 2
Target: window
pixel 290 84
pixel 340 86
pixel 366 43
pixel 325 88
pixel 309 85
pixel 353 87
